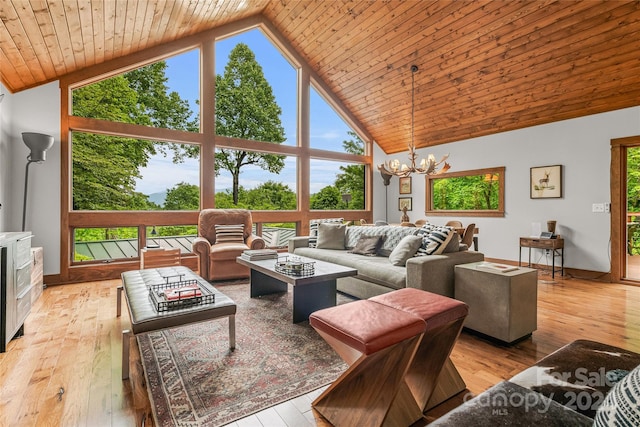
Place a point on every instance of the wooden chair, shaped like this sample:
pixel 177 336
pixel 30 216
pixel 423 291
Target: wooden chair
pixel 421 222
pixel 154 258
pixel 456 224
pixel 467 236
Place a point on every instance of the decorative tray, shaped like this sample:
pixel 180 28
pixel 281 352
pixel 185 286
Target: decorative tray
pixel 294 266
pixel 177 292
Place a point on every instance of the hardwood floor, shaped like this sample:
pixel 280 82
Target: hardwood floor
pixel 65 370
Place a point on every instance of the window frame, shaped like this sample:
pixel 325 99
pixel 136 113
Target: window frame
pixel 429 182
pixel 208 142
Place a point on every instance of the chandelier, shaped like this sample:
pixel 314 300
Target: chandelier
pixel 428 166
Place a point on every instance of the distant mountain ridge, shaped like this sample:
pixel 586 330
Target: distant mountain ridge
pixel 158 198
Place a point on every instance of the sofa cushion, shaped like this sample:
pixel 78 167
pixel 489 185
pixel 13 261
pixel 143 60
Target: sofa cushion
pixel 367 245
pixel 313 228
pixel 405 250
pixel 621 407
pixel 372 269
pixel 391 236
pixel 331 236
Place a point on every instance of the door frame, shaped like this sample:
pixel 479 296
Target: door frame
pixel 618 185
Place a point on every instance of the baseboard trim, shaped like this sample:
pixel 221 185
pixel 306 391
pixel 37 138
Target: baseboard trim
pixel 596 276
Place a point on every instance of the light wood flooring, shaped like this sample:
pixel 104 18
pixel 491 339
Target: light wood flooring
pixel 65 370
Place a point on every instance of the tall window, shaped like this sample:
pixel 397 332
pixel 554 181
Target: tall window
pixel 328 131
pixel 141 165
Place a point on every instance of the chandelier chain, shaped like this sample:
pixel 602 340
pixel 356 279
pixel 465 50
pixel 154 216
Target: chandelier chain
pixel 428 166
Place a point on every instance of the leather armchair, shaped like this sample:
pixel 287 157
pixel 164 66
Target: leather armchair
pixel 217 261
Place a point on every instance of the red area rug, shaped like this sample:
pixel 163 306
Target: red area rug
pixel 195 380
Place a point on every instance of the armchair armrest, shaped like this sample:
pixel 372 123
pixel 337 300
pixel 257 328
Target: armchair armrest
pixel 202 247
pixel 255 242
pixel 298 242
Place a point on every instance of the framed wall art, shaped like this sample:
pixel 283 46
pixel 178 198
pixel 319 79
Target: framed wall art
pixel 546 182
pixel 405 185
pixel 404 201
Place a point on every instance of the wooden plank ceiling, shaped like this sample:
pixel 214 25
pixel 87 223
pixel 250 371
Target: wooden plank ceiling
pixel 484 66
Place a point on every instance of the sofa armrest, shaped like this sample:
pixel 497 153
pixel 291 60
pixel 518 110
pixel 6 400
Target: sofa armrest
pixel 255 242
pixel 298 242
pixel 436 273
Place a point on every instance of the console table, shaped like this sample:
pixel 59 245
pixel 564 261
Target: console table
pixel 555 245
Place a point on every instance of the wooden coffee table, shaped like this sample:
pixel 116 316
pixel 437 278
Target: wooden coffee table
pixel 310 293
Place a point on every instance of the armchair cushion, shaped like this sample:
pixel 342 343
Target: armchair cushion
pixel 229 233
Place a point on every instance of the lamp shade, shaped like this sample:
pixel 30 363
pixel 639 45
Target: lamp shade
pixel 38 143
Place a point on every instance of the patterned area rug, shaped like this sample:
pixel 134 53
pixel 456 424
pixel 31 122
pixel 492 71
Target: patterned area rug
pixel 195 380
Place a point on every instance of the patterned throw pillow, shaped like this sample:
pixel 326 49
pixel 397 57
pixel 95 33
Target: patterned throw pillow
pixel 229 233
pixel 620 407
pixel 313 229
pixel 435 239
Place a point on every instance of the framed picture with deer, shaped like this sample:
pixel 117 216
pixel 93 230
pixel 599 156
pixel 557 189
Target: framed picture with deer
pixel 546 182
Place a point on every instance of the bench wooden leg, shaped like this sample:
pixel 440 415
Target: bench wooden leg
pixel 364 392
pixel 126 341
pixel 232 332
pixel 119 301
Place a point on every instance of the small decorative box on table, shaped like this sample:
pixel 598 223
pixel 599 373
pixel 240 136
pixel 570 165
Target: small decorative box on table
pixel 178 292
pixel 502 305
pixel 295 266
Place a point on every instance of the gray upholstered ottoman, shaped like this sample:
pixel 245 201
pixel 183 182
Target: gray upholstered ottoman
pixel 145 317
pixel 501 305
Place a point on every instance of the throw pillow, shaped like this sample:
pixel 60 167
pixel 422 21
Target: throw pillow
pixel 313 228
pixel 453 245
pixel 331 236
pixel 367 245
pixel 405 250
pixel 229 233
pixel 436 241
pixel 620 407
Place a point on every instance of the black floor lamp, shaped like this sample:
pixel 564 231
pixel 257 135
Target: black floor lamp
pixel 38 143
pixel 386 180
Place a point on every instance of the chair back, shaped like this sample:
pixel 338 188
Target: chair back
pixel 154 258
pixel 209 218
pixel 421 222
pixel 456 224
pixel 467 236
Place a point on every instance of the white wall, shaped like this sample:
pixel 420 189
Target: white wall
pixel 36 110
pixel 5 159
pixel 581 145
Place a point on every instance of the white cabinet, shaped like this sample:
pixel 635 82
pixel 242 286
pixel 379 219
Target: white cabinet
pixel 15 284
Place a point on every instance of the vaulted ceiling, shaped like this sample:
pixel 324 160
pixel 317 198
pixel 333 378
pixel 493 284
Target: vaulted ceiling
pixel 484 66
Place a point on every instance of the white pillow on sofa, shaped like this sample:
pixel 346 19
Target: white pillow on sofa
pixel 405 250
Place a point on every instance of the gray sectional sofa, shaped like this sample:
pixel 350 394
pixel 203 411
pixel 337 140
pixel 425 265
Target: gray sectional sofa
pixel 377 275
